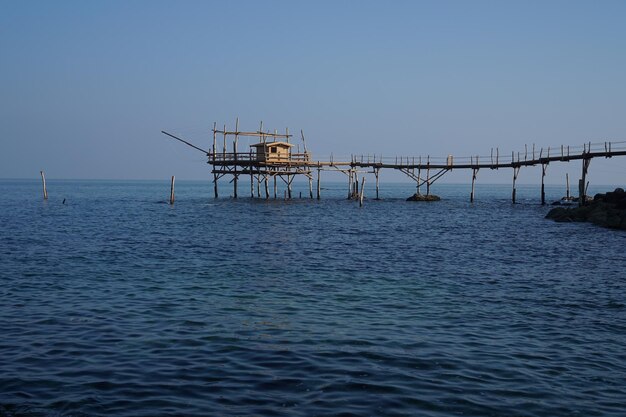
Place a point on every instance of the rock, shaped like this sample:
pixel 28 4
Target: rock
pixel 606 210
pixel 559 214
pixel 597 216
pixel 422 197
pixel 615 196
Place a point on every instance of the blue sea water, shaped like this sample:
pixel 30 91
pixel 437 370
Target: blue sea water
pixel 116 303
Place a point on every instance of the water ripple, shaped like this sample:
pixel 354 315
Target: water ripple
pixel 117 305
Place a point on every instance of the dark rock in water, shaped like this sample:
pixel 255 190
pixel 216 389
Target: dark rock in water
pixel 606 210
pixel 615 196
pixel 422 197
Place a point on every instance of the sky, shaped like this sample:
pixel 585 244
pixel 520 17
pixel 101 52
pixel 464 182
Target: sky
pixel 87 86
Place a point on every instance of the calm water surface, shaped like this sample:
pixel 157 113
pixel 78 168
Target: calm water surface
pixel 116 303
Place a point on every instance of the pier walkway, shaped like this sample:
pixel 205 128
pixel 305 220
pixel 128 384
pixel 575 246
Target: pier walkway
pixel 273 158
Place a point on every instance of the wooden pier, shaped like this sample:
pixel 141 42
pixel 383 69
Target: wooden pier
pixel 272 158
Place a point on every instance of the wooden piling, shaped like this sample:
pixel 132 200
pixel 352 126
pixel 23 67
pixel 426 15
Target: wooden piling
pixel 419 172
pixel 310 185
pixel 567 197
pixel 172 191
pixel 275 187
pixel 350 183
pixel 43 182
pixel 428 176
pixel 214 156
pixel 267 188
pixel 515 173
pixel 289 179
pixel 235 175
pixel 319 170
pixel 251 178
pixel 376 173
pixel 362 192
pixel 543 187
pixel 474 174
pixel 224 147
pixel 581 185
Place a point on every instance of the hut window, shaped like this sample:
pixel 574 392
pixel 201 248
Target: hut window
pixel 273 149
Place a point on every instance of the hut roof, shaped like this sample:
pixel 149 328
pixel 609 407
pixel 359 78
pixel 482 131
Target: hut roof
pixel 268 144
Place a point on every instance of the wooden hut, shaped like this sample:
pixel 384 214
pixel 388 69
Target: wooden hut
pixel 273 152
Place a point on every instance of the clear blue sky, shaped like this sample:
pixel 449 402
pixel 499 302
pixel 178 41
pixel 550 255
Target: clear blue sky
pixel 86 86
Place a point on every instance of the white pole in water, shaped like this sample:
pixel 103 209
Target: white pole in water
pixel 43 180
pixel 362 192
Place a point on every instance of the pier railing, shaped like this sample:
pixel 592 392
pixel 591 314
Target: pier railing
pixel 223 158
pixel 531 155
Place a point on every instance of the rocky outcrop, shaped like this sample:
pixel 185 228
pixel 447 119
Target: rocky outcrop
pixel 422 197
pixel 606 210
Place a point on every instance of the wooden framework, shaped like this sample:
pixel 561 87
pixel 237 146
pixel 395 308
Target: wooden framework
pixel 269 159
pixel 272 157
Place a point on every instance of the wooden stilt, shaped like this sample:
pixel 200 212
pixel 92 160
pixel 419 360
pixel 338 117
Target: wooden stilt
pixel 515 173
pixel 582 196
pixel 319 170
pixel 376 172
pixel 267 188
pixel 172 191
pixel 349 183
pixel 474 174
pixel 362 193
pixel 275 186
pixel 214 166
pixel 419 180
pixel 289 179
pixel 543 187
pixel 428 177
pixel 223 155
pixel 224 147
pixel 235 176
pixel 310 185
pixel 251 178
pixel 258 185
pixel 567 186
pixel 43 182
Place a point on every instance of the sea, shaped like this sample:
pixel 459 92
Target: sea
pixel 115 303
